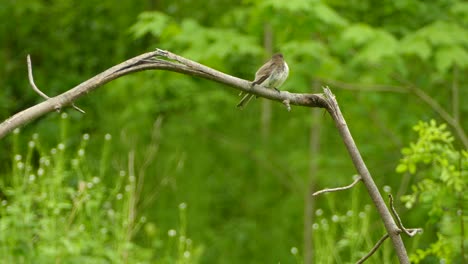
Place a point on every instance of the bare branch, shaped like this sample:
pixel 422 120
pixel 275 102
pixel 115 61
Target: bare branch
pixel 410 232
pixel 373 250
pixel 358 179
pixel 31 79
pixel 155 60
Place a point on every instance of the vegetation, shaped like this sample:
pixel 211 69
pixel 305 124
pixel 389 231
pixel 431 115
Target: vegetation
pixel 163 168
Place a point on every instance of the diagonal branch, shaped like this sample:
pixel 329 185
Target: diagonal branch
pixel 385 215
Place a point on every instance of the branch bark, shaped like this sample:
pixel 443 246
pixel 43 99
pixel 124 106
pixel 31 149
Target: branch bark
pixel 164 60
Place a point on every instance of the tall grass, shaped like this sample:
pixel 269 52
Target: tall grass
pixel 58 209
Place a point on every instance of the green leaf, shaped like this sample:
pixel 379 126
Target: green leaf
pixel 413 45
pixel 328 15
pixel 150 22
pixel 444 33
pixel 358 34
pixel 401 168
pixel 447 57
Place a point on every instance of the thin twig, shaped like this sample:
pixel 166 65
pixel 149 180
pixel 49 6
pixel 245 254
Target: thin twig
pixel 411 231
pixel 372 251
pixel 31 80
pixel 358 179
pixel 37 90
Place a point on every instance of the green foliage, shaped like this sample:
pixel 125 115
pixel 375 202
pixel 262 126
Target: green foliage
pixel 57 208
pixel 240 170
pixel 442 190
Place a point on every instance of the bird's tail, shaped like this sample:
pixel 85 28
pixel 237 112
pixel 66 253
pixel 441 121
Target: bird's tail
pixel 243 102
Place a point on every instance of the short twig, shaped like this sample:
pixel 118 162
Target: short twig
pixel 37 90
pixel 358 179
pixel 372 251
pixel 410 231
pixel 288 106
pixel 31 80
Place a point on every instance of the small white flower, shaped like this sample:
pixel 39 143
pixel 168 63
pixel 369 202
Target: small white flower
pixel 335 218
pixel 128 188
pixel 122 173
pixel 16 131
pixel 362 214
pixel 186 254
pixel 131 178
pixel 110 213
pixel 182 206
pixel 294 250
pixel 387 189
pixel 64 115
pixel 4 202
pixel 182 238
pixel 89 185
pixel 143 219
pixel 96 180
pixel 61 146
pixel 119 196
pixel 81 152
pixel 86 136
pixel 188 241
pixel 315 226
pixel 32 177
pixel 35 136
pixel 171 233
pixel 53 151
pixel 81 227
pixel 18 157
pixel 108 137
pixel 319 212
pixel 20 165
pixel 349 213
pixel 40 172
pixel 31 144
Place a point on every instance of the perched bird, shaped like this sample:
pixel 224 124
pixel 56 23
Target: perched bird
pixel 272 75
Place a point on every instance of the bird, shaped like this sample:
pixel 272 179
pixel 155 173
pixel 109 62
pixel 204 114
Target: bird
pixel 271 75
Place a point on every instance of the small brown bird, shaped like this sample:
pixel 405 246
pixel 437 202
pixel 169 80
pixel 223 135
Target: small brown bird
pixel 272 75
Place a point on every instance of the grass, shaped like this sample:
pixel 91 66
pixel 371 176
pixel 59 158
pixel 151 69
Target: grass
pixel 59 209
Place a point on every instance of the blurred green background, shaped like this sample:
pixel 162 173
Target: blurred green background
pixel 163 168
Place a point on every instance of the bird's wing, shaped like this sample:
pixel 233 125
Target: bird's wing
pixel 260 79
pixel 263 73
